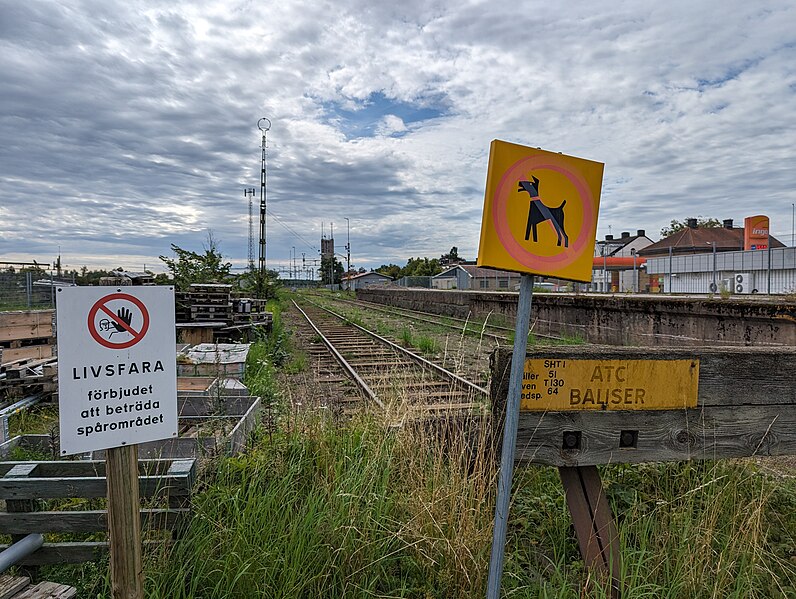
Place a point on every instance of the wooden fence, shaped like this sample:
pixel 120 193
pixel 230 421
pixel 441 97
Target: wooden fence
pixel 23 486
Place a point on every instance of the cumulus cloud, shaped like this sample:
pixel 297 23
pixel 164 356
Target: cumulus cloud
pixel 128 126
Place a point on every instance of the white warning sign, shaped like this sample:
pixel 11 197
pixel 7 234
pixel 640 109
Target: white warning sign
pixel 117 371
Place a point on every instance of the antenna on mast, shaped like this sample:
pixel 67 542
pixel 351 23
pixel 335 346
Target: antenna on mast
pixel 263 125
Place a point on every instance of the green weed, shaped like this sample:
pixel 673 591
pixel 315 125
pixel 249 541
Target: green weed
pixel 427 345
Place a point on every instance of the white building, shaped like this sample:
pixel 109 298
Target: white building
pixel 364 279
pixel 741 272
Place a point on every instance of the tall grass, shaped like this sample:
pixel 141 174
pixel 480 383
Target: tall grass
pixel 366 510
pixel 353 512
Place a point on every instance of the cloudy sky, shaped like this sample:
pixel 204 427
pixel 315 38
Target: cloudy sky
pixel 129 126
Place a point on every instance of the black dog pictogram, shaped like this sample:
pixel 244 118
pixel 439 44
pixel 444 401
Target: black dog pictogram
pixel 539 213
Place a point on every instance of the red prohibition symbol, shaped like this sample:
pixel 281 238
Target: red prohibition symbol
pixel 119 322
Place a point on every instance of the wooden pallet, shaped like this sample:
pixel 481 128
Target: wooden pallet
pixel 29 376
pixel 19 587
pixel 26 335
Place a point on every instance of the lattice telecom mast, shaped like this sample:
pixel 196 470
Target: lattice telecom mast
pixel 263 125
pixel 249 192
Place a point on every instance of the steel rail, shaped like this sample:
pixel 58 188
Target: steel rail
pixel 343 362
pixel 412 314
pixel 398 311
pixel 412 356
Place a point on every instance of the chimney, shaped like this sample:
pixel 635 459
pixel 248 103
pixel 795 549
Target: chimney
pixel 625 234
pixel 727 223
pixel 692 223
pixel 641 233
pixel 609 237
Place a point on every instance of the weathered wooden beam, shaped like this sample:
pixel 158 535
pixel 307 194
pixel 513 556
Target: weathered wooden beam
pixel 26 318
pixel 33 331
pixel 65 553
pixel 48 590
pixel 746 406
pixel 50 480
pixel 11 585
pixel 86 521
pixel 24 353
pixel 594 525
pixel 78 468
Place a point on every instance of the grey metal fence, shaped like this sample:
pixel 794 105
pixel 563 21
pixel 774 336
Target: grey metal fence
pixel 28 290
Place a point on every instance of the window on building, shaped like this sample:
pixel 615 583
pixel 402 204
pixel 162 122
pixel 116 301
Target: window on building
pixel 503 283
pixel 483 284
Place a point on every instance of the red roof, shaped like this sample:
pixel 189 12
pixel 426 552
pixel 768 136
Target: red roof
pixel 700 241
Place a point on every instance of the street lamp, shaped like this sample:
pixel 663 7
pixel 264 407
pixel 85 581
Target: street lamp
pixel 605 268
pixel 713 287
pixel 348 244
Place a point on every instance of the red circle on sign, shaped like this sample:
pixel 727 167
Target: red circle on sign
pixel 500 212
pixel 100 304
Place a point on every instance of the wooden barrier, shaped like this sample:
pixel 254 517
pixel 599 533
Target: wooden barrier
pixel 746 406
pixel 22 484
pixel 629 405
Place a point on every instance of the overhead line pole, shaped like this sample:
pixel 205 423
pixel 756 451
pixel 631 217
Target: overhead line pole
pixel 249 193
pixel 348 245
pixel 263 125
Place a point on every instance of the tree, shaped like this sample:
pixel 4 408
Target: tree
pixel 451 257
pixel 259 286
pixel 162 279
pixel 421 267
pixel 678 225
pixel 391 270
pixel 191 267
pixel 331 270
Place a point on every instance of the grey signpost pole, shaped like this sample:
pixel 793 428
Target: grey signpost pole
pixel 768 249
pixel 510 436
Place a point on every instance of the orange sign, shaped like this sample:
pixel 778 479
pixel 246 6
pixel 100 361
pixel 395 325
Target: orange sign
pixel 755 232
pixel 540 212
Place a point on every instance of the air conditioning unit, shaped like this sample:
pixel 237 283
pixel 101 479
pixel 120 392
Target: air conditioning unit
pixel 743 283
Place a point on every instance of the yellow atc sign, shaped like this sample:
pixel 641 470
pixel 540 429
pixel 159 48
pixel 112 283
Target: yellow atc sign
pixel 565 384
pixel 540 212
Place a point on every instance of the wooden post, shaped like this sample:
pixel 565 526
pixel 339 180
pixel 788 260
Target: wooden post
pixel 597 535
pixel 22 505
pixel 124 523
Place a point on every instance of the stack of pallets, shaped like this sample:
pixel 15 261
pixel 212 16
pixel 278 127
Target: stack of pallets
pixel 25 377
pixel 248 309
pixel 204 303
pixel 26 335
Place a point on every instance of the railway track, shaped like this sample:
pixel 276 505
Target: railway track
pixel 502 335
pixel 371 369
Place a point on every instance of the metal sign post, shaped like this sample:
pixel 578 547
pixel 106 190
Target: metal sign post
pixel 540 218
pixel 522 326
